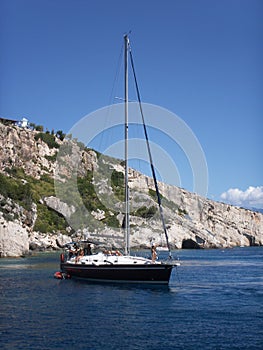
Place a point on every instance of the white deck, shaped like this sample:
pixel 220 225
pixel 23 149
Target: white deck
pixel 105 259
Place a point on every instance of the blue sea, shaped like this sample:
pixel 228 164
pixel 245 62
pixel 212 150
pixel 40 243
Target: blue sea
pixel 214 301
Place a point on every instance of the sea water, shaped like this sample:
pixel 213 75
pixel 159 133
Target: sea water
pixel 214 301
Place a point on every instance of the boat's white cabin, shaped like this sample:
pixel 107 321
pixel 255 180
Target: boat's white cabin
pixel 112 259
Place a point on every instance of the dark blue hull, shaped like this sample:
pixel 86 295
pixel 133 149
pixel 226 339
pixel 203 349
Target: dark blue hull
pixel 150 274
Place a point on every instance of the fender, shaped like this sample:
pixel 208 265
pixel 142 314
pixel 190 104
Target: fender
pixel 58 275
pixel 61 275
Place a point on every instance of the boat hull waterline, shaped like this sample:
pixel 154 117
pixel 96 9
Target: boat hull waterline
pixel 149 274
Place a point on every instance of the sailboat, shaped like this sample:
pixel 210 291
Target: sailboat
pixel 113 266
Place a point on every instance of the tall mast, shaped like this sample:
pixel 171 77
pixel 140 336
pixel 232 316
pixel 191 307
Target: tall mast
pixel 150 157
pixel 127 223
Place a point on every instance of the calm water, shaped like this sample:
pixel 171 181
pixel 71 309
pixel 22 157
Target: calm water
pixel 214 301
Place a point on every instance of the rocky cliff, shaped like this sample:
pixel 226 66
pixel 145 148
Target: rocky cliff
pixel 87 201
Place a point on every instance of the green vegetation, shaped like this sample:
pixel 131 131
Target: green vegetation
pixel 24 190
pixel 48 138
pixel 88 193
pixel 51 158
pixel 5 209
pixel 117 184
pixel 92 202
pixel 145 212
pixel 153 194
pixel 182 212
pixel 111 221
pixel 166 202
pixel 38 127
pixel 16 190
pixel 48 220
pixel 60 134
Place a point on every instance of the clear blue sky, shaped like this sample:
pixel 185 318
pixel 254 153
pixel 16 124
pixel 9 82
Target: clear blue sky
pixel 200 59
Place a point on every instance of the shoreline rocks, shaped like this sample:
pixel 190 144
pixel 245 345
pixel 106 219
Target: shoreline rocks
pixel 193 222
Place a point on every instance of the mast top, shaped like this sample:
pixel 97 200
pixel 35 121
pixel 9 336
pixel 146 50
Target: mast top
pixel 127 40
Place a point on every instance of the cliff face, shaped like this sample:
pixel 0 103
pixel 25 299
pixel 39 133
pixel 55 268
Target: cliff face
pixel 19 149
pixel 192 221
pixel 196 222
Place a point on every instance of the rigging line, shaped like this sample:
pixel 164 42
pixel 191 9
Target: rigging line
pixel 150 154
pixel 116 78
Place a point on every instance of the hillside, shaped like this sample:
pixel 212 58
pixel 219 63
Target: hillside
pixel 54 188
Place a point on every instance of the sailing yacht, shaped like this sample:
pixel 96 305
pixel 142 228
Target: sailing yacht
pixel 113 266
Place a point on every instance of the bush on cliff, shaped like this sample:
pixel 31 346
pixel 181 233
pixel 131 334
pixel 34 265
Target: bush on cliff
pixel 48 138
pixel 14 189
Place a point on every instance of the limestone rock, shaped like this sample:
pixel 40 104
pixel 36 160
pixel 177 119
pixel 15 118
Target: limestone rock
pixel 46 241
pixel 61 207
pixel 98 214
pixel 191 221
pixel 13 239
